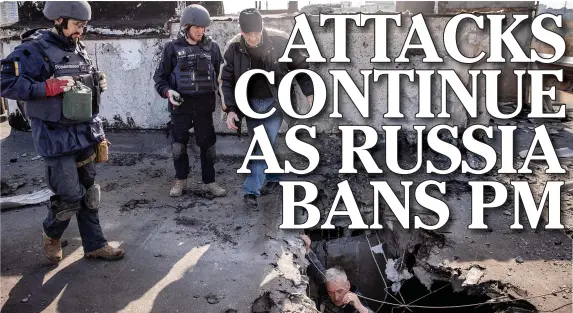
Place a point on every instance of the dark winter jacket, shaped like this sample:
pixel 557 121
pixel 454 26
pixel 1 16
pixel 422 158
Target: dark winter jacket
pixel 23 75
pixel 164 74
pixel 238 61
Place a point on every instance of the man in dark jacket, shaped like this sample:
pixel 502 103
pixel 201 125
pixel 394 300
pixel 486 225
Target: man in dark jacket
pixel 187 76
pixel 259 48
pixel 40 71
pixel 343 297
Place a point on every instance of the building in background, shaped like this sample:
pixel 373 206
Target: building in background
pixel 345 4
pixel 376 6
pixel 8 12
pixel 366 7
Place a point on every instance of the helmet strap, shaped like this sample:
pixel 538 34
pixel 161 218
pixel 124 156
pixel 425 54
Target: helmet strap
pixel 186 31
pixel 60 27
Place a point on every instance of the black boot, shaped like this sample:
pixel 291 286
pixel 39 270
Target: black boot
pixel 250 201
pixel 269 187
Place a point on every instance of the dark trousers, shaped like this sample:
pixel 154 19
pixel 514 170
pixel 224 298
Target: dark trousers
pixel 204 137
pixel 69 184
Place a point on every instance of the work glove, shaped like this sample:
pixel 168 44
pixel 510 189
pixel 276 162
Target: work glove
pixel 174 97
pixel 102 82
pixel 56 86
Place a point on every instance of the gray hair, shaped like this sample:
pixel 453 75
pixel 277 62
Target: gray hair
pixel 335 273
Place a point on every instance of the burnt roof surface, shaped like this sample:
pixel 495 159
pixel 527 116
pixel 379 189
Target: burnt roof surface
pixel 132 14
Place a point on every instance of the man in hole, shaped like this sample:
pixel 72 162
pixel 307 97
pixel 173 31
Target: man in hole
pixel 343 297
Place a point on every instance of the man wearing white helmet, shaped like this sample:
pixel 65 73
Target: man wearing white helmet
pixel 186 76
pixel 41 71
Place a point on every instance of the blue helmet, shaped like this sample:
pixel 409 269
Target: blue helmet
pixel 78 10
pixel 195 15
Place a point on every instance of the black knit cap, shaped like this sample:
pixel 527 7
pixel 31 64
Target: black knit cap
pixel 250 20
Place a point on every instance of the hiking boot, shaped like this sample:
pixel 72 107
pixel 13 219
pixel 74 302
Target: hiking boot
pixel 178 188
pixel 52 249
pixel 250 201
pixel 107 253
pixel 215 189
pixel 269 187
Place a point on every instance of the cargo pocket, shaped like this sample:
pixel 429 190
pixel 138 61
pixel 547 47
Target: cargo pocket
pixel 62 178
pixel 49 140
pixel 51 163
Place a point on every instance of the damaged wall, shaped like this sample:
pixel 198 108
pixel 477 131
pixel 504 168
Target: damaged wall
pixel 130 60
pixel 113 13
pixel 504 6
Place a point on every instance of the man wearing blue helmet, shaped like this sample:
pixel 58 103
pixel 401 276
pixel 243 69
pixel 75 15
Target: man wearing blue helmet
pixel 187 77
pixel 42 71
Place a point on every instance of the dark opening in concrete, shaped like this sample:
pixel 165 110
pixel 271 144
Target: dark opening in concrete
pixel 330 234
pixel 442 298
pixel 352 253
pixel 442 294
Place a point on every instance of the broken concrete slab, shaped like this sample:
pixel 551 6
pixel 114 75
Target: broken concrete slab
pixel 11 187
pixel 561 152
pixel 564 153
pixel 27 199
pixel 537 151
pixel 473 277
pixel 378 249
pixel 397 274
